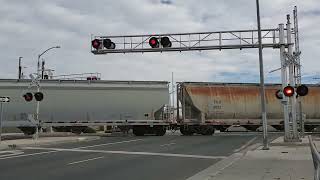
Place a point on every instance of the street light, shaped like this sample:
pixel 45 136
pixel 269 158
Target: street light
pixel 38 66
pixel 38 87
pixel 262 87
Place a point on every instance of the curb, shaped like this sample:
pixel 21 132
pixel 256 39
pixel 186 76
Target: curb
pixel 79 139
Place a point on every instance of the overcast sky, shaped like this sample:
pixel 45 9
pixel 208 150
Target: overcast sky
pixel 29 27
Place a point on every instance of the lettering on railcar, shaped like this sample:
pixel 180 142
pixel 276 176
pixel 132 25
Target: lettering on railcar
pixel 215 107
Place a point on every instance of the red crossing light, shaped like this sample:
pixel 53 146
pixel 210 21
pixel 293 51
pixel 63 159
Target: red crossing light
pixel 288 91
pixel 28 97
pixel 96 43
pixel 153 42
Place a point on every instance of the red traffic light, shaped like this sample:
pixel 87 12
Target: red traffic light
pixel 38 96
pixel 107 43
pixel 302 90
pixel 96 43
pixel 288 91
pixel 28 97
pixel 165 42
pixel 153 42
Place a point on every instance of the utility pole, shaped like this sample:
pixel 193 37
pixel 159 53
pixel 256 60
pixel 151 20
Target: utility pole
pixel 172 91
pixel 262 87
pixel 19 68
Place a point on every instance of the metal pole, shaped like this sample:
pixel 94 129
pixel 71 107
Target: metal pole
pixel 284 82
pixel 298 79
pixel 19 68
pixel 1 112
pixel 262 88
pixel 38 90
pixel 37 116
pixel 172 89
pixel 292 100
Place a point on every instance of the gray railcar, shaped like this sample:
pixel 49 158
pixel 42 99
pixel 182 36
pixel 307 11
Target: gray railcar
pixel 76 102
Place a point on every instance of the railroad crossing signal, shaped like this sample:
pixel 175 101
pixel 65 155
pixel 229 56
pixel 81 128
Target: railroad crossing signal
pixel 302 90
pixel 38 96
pixel 289 91
pixel 107 43
pixel 4 99
pixel 29 96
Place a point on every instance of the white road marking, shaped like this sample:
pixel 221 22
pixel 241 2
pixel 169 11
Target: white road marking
pixel 77 162
pixel 106 144
pixel 25 155
pixel 245 145
pixel 131 153
pixel 10 153
pixel 48 152
pixel 169 144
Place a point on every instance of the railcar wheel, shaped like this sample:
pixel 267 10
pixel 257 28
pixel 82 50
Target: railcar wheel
pixel 206 130
pixel 138 131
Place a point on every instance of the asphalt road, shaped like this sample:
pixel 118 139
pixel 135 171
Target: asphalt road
pixel 170 157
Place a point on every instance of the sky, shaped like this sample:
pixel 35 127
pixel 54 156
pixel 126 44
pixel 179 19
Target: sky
pixel 27 28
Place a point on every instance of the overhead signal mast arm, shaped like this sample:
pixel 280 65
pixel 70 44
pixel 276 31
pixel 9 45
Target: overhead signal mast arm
pixel 239 39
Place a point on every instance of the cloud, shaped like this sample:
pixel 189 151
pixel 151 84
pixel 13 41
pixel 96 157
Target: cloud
pixel 28 28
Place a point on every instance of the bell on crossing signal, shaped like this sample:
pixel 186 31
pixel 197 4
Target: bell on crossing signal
pixel 288 91
pixel 302 90
pixel 279 94
pixel 107 43
pixel 28 97
pixel 165 42
pixel 38 96
pixel 153 42
pixel 96 43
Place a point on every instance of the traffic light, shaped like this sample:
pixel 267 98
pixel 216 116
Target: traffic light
pixel 107 43
pixel 38 96
pixel 28 97
pixel 165 42
pixel 153 42
pixel 302 90
pixel 288 91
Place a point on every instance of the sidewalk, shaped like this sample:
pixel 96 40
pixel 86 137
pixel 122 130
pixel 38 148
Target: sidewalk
pixel 282 162
pixel 6 144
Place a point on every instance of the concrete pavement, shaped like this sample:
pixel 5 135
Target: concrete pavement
pixel 282 162
pixel 168 157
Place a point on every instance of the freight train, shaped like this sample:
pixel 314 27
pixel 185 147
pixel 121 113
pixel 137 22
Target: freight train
pixel 143 106
pixel 208 106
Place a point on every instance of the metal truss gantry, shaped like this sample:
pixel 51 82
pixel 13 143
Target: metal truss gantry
pixel 276 38
pixel 218 40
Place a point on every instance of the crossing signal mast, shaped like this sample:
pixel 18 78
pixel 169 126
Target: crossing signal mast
pixel 276 38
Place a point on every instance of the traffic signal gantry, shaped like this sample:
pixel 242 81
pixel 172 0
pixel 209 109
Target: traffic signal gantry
pixel 276 38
